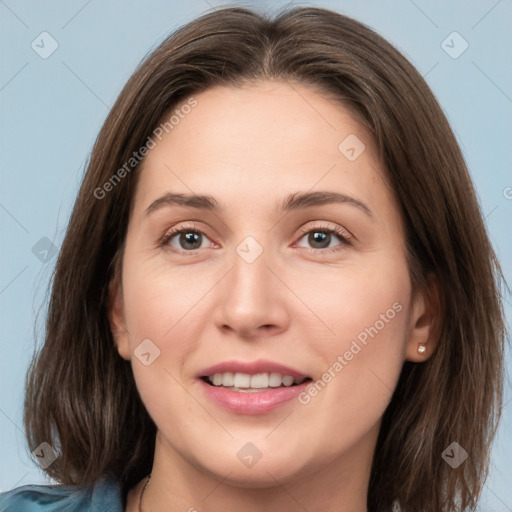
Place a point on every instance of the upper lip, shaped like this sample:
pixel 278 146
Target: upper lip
pixel 251 368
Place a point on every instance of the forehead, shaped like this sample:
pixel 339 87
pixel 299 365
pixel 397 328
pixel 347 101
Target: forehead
pixel 250 143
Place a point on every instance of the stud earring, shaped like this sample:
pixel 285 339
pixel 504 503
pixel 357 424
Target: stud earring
pixel 422 349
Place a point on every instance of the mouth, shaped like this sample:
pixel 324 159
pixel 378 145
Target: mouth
pixel 252 387
pixel 253 383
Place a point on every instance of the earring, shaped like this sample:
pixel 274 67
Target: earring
pixel 422 349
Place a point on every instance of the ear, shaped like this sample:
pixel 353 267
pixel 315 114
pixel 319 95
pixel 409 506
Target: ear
pixel 425 322
pixel 117 319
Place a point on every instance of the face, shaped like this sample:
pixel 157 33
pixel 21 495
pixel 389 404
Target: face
pixel 295 266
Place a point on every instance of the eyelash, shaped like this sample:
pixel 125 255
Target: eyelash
pixel 342 234
pixel 345 238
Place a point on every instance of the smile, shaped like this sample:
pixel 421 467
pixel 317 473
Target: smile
pixel 251 388
pixel 246 383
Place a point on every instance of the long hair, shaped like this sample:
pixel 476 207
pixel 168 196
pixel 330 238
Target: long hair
pixel 80 394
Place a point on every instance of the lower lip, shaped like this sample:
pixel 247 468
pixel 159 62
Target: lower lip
pixel 258 402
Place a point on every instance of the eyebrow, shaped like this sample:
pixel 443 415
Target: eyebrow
pixel 296 201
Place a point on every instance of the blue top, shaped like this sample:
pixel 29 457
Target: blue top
pixel 103 496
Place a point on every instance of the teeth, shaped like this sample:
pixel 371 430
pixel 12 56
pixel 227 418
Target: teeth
pixel 258 381
pixel 274 380
pixel 241 380
pixel 227 379
pixel 217 379
pixel 287 380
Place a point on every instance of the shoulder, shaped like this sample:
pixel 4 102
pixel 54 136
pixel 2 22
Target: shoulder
pixel 103 496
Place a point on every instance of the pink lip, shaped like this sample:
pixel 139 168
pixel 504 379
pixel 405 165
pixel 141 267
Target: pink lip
pixel 259 402
pixel 251 368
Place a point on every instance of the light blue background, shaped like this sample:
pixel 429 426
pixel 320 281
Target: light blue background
pixel 52 110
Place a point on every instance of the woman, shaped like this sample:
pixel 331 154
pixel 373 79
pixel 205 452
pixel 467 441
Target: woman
pixel 276 290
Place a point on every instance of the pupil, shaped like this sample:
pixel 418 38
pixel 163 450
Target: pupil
pixel 316 240
pixel 190 237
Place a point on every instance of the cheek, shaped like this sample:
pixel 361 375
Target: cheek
pixel 362 359
pixel 366 302
pixel 366 317
pixel 161 321
pixel 157 298
pixel 154 312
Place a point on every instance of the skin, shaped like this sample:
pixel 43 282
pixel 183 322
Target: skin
pixel 298 304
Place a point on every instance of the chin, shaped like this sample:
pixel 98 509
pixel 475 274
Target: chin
pixel 258 478
pixel 266 472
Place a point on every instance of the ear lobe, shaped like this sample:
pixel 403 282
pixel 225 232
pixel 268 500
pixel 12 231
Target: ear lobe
pixel 117 320
pixel 424 329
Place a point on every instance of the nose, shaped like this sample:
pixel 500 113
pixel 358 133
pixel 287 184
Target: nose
pixel 252 303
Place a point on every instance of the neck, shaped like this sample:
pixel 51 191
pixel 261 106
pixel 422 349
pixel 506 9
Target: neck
pixel 339 485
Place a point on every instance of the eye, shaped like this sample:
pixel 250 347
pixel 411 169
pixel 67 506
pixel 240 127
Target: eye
pixel 321 237
pixel 185 238
pixel 190 238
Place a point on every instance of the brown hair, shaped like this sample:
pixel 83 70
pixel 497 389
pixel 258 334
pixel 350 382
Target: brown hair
pixel 80 394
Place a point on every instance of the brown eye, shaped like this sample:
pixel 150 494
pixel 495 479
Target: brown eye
pixel 185 239
pixel 325 238
pixel 319 239
pixel 190 240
